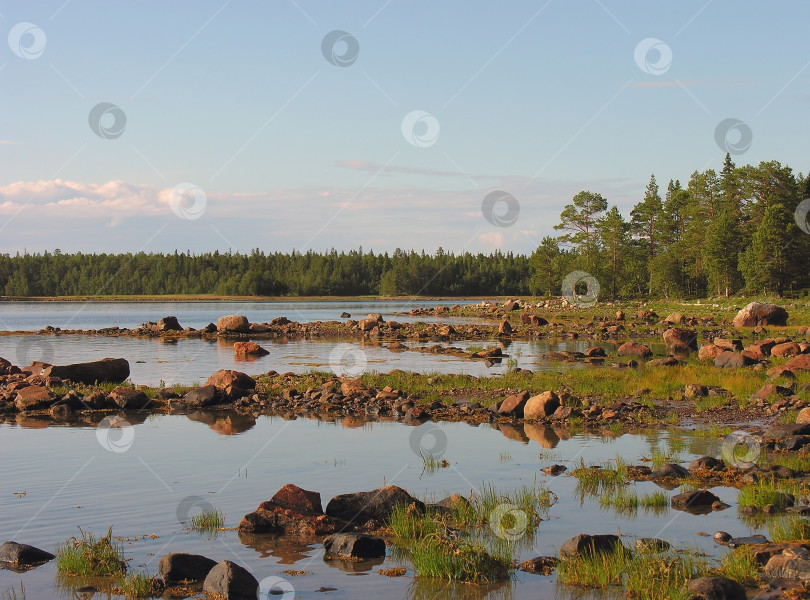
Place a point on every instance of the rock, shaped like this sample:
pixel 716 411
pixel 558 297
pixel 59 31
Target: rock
pixel 353 388
pixel 675 318
pixel 295 498
pixel 788 567
pixel 505 327
pixel 291 511
pixel 697 501
pixel 233 324
pixel 709 352
pixel 203 396
pixel 244 349
pixel 595 352
pixel 634 349
pixel 780 433
pixel 762 348
pixel 694 390
pixel 647 315
pixel 353 546
pixel 706 463
pixel 231 582
pixel 169 324
pixel 179 566
pixel 453 502
pixel 799 363
pixel 761 313
pixel 735 345
pixel 721 537
pixel 669 361
pixel 129 398
pixel 541 565
pixel 803 418
pixel 554 470
pixel 34 397
pixel 376 505
pixel 541 406
pixel 729 360
pixel 669 471
pixel 23 555
pixel 226 377
pixel 375 317
pixel 651 544
pixel 367 325
pixel 750 540
pixel 583 543
pixel 786 349
pixel 510 305
pixel 679 340
pixel 715 588
pixel 769 389
pixel 345 315
pixel 513 406
pixel 114 370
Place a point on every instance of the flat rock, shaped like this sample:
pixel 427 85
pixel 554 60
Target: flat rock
pixel 697 501
pixel 731 360
pixel 584 543
pixel 788 567
pixel 749 540
pixel 353 546
pixel 129 398
pixel 780 433
pixel 114 370
pixel 670 471
pixel 34 397
pixel 231 582
pixel 179 566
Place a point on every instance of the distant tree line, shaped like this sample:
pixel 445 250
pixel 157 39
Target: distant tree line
pixel 720 234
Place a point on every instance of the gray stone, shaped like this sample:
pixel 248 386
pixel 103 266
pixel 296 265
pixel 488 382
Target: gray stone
pixel 353 546
pixel 113 370
pixel 231 582
pixel 179 566
pixel 584 543
pixel 716 588
pixel 23 555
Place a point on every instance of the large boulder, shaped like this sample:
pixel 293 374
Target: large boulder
pixel 34 397
pixel 710 352
pixel 786 349
pixel 634 349
pixel 225 378
pixel 169 324
pixel 789 566
pixel 541 406
pixel 799 363
pixel 584 543
pixel 205 395
pixel 179 566
pixel 231 582
pixel 680 341
pixel 353 546
pixel 129 398
pixel 715 588
pixel 246 349
pixel 731 360
pixel 761 313
pixel 233 324
pixel 114 370
pixel 291 511
pixel 513 406
pixel 361 507
pixel 23 555
pixel 696 501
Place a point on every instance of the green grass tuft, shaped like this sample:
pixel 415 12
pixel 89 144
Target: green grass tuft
pixel 209 520
pixel 741 566
pixel 789 529
pixel 90 556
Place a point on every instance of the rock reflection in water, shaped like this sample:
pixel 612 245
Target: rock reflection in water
pixel 224 422
pixel 288 551
pixel 350 566
pixel 425 588
pixel 547 437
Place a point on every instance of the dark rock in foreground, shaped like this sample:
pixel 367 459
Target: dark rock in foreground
pixel 291 511
pixel 361 507
pixel 108 369
pixel 23 555
pixel 716 588
pixel 353 546
pixel 698 501
pixel 583 543
pixel 231 582
pixel 180 566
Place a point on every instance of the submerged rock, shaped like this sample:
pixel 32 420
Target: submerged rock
pixel 113 370
pixel 377 505
pixel 179 566
pixel 583 543
pixel 353 546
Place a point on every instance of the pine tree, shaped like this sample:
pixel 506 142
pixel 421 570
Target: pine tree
pixel 544 265
pixel 613 233
pixel 644 222
pixel 581 218
pixel 765 263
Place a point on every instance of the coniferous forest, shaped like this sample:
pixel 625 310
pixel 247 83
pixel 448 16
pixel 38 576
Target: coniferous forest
pixel 741 230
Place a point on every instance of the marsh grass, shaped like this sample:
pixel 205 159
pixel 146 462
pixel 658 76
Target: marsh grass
pixel 789 529
pixel 90 556
pixel 208 520
pixel 627 502
pixel 741 566
pixel 134 585
pixel 766 492
pixel 659 457
pixel 798 461
pixel 600 479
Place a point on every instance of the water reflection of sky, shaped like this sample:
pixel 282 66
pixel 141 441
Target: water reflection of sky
pixel 234 463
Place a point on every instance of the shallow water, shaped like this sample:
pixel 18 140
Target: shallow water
pixel 57 478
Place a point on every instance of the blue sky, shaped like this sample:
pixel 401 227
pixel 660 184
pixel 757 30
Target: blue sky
pixel 237 102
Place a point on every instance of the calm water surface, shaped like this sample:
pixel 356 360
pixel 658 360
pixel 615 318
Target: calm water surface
pixel 57 478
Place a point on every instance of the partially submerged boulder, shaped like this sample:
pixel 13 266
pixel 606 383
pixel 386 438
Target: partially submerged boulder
pixel 231 582
pixel 23 555
pixel 248 349
pixel 233 324
pixel 291 511
pixel 115 370
pixel 584 543
pixel 353 546
pixel 376 506
pixel 180 566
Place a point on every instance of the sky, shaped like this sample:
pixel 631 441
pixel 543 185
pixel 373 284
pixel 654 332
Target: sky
pixel 295 124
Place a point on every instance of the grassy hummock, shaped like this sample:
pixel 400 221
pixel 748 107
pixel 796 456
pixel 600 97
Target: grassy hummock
pixel 91 556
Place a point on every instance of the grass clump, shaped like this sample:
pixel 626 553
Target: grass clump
pixel 134 585
pixel 594 569
pixel 600 479
pixel 767 492
pixel 90 556
pixel 741 566
pixel 208 520
pixel 431 463
pixel 789 529
pixel 655 501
